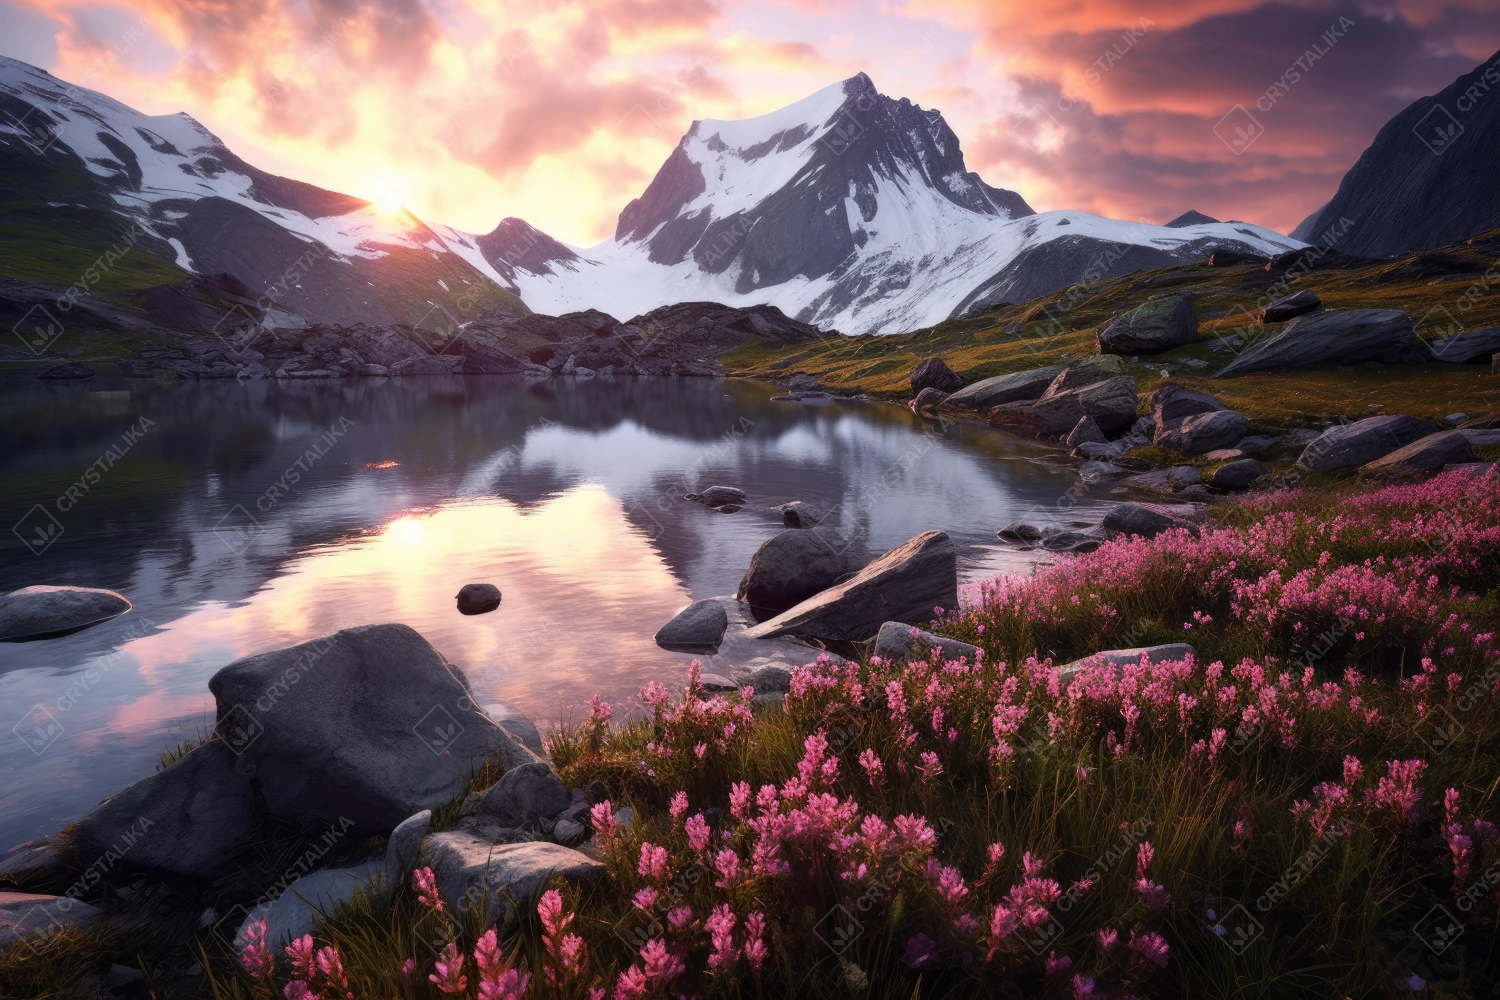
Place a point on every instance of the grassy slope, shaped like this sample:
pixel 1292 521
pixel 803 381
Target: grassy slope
pixel 1015 338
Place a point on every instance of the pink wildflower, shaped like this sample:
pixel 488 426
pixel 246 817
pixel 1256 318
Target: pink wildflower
pixel 495 982
pixel 697 833
pixel 873 766
pixel 449 976
pixel 653 861
pixel 679 807
pixel 602 818
pixel 256 957
pixel 427 890
pixel 303 957
pixel 1152 947
pixel 720 927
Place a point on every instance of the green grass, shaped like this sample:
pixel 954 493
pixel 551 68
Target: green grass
pixel 60 245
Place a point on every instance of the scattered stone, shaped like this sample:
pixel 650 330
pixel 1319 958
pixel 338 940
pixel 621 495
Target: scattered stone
pixel 1236 475
pixel 1345 445
pixel 1185 475
pixel 898 641
pixel 1289 306
pixel 717 496
pixel 928 397
pixel 1156 325
pixel 570 833
pixel 1481 437
pixel 1172 652
pixel 478 598
pixel 905 584
pixel 1259 443
pixel 404 845
pixel 795 564
pixel 1103 449
pixel 1144 519
pixel 1071 541
pixel 1204 432
pixel 524 795
pixel 67 373
pixel 1016 387
pixel 23 913
pixel 379 727
pixel 182 819
pixel 1086 430
pixel 798 514
pixel 1171 404
pixel 295 911
pixel 43 612
pixel 934 374
pixel 1426 454
pixel 473 872
pixel 697 628
pixel 769 678
pixel 1020 531
pixel 1472 345
pixel 1111 403
pixel 1328 337
pixel 1223 454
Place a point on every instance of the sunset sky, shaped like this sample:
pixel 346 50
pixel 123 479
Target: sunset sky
pixel 559 112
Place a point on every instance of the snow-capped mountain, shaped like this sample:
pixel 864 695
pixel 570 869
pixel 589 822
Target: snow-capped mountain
pixel 851 211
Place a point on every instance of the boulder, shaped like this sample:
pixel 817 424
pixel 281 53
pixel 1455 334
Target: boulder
pixel 1015 387
pixel 478 598
pixel 570 832
pixel 1472 345
pixel 23 914
pixel 429 364
pixel 1111 403
pixel 799 515
pixel 1289 306
pixel 182 819
pixel 1328 337
pixel 1346 445
pixel 1171 403
pixel 697 628
pixel 1068 540
pixel 1171 652
pixel 404 847
pixel 1426 454
pixel 1144 519
pixel 517 725
pixel 1156 325
pixel 525 795
pixel 25 861
pixel 1086 431
pixel 1020 531
pixel 1086 371
pixel 1204 432
pixel 905 584
pixel 1236 475
pixel 899 641
pixel 795 564
pixel 718 496
pixel 934 374
pixel 370 723
pixel 473 872
pixel 47 612
pixel 768 678
pixel 926 398
pixel 315 895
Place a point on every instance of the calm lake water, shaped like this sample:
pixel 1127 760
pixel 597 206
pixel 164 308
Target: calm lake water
pixel 245 517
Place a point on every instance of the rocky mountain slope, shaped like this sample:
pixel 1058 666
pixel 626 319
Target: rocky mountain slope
pixel 1428 179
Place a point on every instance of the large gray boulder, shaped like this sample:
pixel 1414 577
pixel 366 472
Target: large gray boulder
pixel 1328 337
pixel 25 914
pixel 1110 402
pixel 297 908
pixel 472 872
pixel 1204 432
pixel 900 641
pixel 183 819
pixel 524 796
pixel 1156 325
pixel 1426 454
pixel 1291 306
pixel 793 565
pixel 1144 519
pixel 699 627
pixel 43 612
pixel 1472 345
pixel 1012 388
pixel 1347 445
pixel 404 846
pixel 904 585
pixel 933 373
pixel 1086 371
pixel 1237 475
pixel 369 724
pixel 1172 403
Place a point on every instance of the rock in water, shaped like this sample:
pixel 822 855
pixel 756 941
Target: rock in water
pixel 524 795
pixel 1146 520
pixel 800 515
pixel 1426 454
pixel 1289 306
pixel 896 641
pixel 67 373
pixel 934 374
pixel 47 612
pixel 927 397
pixel 1328 337
pixel 697 628
pixel 478 598
pixel 1154 326
pixel 183 819
pixel 1020 531
pixel 1086 431
pixel 1111 403
pixel 905 584
pixel 1204 432
pixel 792 566
pixel 1236 475
pixel 472 872
pixel 718 496
pixel 370 723
pixel 26 913
pixel 1016 387
pixel 1348 445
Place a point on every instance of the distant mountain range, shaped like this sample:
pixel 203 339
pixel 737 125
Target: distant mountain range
pixel 847 210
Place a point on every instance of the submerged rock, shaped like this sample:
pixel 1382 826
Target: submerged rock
pixel 43 612
pixel 697 628
pixel 798 514
pixel 478 598
pixel 718 496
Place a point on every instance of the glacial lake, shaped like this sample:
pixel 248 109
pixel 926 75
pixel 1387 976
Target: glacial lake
pixel 243 517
